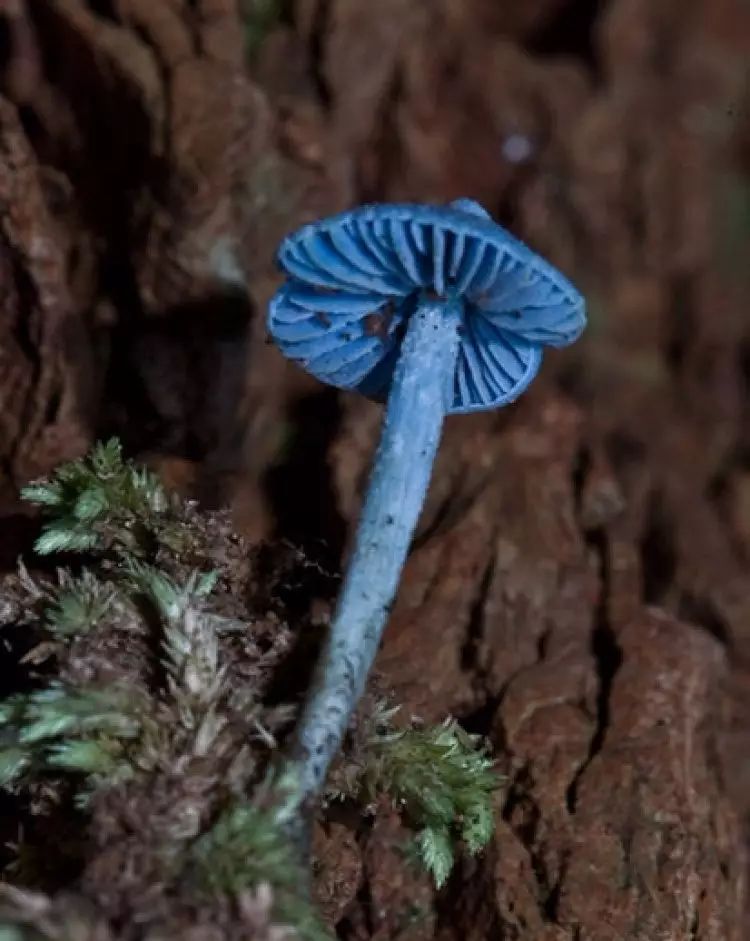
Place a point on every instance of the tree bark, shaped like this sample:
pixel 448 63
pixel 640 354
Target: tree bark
pixel 578 588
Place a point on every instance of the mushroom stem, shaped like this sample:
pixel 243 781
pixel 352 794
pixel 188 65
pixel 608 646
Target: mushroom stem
pixel 420 395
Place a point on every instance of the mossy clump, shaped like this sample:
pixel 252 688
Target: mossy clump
pixel 439 778
pixel 140 733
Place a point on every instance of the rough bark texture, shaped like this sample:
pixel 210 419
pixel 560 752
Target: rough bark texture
pixel 579 586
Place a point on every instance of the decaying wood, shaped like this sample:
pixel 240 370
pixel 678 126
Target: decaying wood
pixel 578 589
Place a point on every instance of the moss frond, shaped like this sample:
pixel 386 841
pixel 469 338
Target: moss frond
pixel 247 847
pixel 78 603
pixel 98 500
pixel 189 633
pixel 441 780
pixel 83 731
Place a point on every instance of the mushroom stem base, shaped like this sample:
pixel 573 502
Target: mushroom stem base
pixel 421 392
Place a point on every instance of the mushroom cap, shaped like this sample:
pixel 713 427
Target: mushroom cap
pixel 355 278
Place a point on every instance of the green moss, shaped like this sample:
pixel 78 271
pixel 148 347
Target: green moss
pixel 140 693
pixel 157 690
pixel 246 847
pixel 440 779
pixel 99 502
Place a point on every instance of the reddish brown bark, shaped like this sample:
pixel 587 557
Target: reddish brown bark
pixel 579 589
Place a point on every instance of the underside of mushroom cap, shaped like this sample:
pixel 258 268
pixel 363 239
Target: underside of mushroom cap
pixel 356 278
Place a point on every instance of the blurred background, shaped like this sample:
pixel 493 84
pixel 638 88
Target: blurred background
pixel 152 155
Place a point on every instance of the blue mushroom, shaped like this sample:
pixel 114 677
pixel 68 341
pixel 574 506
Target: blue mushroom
pixel 434 310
